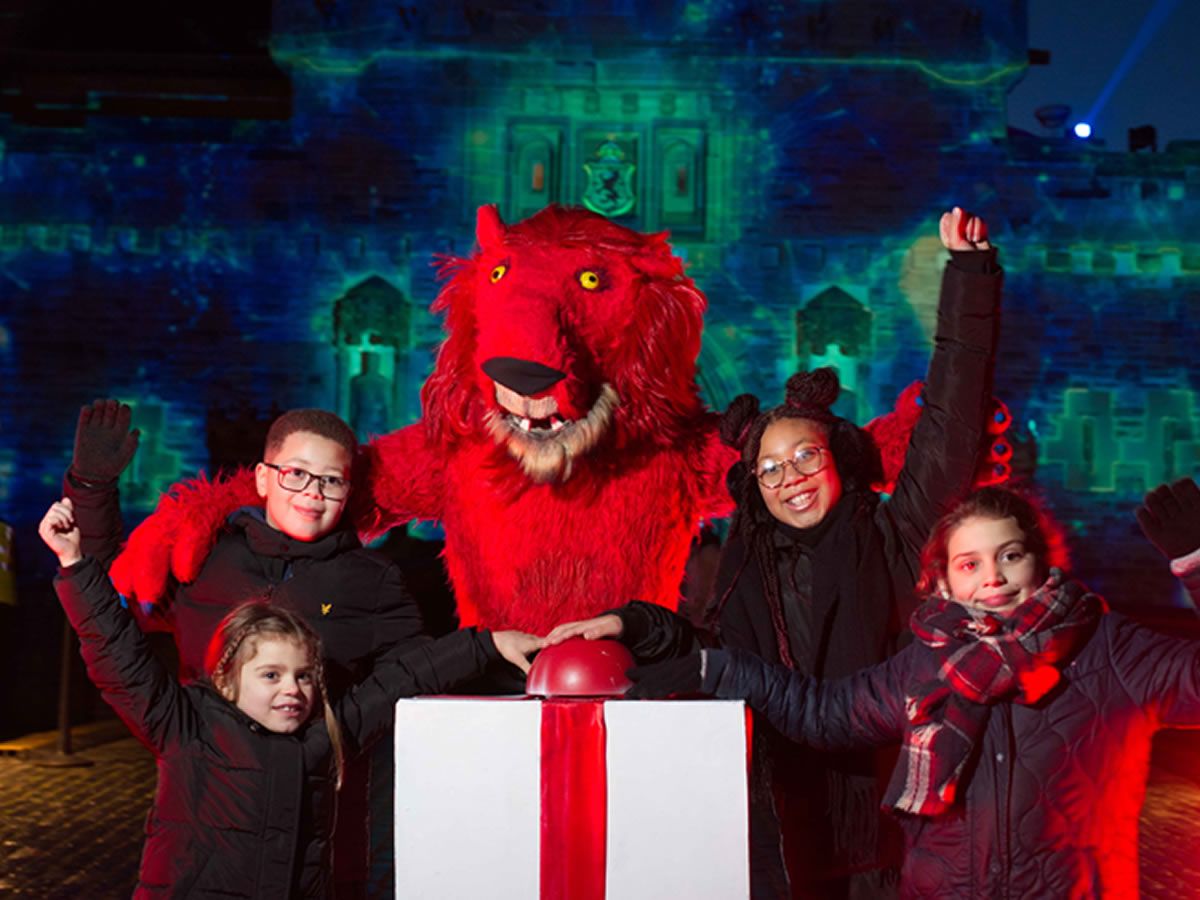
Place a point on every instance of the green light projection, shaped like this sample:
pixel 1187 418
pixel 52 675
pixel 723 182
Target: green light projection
pixel 1100 449
pixel 155 467
pixel 792 172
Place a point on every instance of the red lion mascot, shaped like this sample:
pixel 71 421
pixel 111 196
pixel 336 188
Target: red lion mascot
pixel 563 444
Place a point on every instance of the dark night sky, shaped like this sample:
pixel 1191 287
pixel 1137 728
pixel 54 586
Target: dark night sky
pixel 1087 39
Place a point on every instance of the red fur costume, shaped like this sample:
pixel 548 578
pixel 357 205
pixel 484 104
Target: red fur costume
pixel 564 499
pixel 558 502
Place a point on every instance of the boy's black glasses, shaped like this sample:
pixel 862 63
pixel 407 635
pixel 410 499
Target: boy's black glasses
pixel 332 487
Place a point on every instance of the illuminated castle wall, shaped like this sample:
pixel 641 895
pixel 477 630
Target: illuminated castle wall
pixel 213 268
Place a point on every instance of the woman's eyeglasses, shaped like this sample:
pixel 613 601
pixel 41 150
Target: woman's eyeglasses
pixel 805 461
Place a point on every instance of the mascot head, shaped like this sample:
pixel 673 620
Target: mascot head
pixel 567 334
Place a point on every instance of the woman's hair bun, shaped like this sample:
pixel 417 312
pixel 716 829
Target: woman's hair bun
pixel 820 388
pixel 738 419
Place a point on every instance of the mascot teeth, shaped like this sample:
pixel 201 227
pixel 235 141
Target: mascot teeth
pixel 522 407
pixel 540 439
pixel 540 426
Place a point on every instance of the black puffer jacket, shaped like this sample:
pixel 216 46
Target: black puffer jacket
pixel 354 598
pixel 1048 806
pixel 239 811
pixel 829 802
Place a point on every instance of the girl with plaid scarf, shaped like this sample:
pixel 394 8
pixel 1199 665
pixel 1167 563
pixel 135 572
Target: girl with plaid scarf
pixel 1024 711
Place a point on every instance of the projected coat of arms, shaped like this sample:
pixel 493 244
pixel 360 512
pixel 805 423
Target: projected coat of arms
pixel 609 188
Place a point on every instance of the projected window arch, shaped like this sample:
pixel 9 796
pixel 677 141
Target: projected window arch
pixel 680 180
pixel 534 173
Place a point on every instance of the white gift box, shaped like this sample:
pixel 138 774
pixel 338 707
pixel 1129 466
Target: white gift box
pixel 525 799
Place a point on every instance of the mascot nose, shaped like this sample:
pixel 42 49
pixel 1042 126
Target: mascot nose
pixel 522 375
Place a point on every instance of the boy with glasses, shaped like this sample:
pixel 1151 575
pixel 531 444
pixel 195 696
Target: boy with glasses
pixel 290 548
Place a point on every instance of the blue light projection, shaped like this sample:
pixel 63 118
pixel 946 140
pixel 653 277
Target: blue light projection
pixel 800 154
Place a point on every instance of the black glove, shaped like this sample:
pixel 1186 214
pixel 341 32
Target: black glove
pixel 696 673
pixel 1170 518
pixel 660 680
pixel 104 443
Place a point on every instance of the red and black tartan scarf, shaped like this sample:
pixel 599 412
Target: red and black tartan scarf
pixel 983 659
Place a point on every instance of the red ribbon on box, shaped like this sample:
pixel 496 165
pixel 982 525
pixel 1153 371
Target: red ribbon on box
pixel 574 800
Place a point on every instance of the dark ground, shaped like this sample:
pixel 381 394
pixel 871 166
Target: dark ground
pixel 77 832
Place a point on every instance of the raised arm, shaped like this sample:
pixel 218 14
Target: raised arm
pixel 711 466
pixel 119 661
pixel 1160 672
pixel 946 442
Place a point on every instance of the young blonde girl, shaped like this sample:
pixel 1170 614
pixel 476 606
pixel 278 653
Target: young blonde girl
pixel 249 761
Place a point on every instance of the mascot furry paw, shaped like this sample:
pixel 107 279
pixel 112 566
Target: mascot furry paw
pixel 563 445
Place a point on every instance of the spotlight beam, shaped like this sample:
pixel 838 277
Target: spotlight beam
pixel 1150 25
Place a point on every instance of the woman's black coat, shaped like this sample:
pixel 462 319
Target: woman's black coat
pixel 828 802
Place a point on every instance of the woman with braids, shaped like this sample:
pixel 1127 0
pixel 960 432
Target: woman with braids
pixel 249 759
pixel 819 571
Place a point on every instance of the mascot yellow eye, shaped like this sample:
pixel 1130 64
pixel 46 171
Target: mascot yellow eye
pixel 589 280
pixel 499 272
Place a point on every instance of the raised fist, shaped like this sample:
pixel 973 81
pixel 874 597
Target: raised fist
pixel 960 230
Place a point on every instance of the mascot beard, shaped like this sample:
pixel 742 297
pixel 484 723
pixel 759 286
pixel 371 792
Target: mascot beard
pixel 563 444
